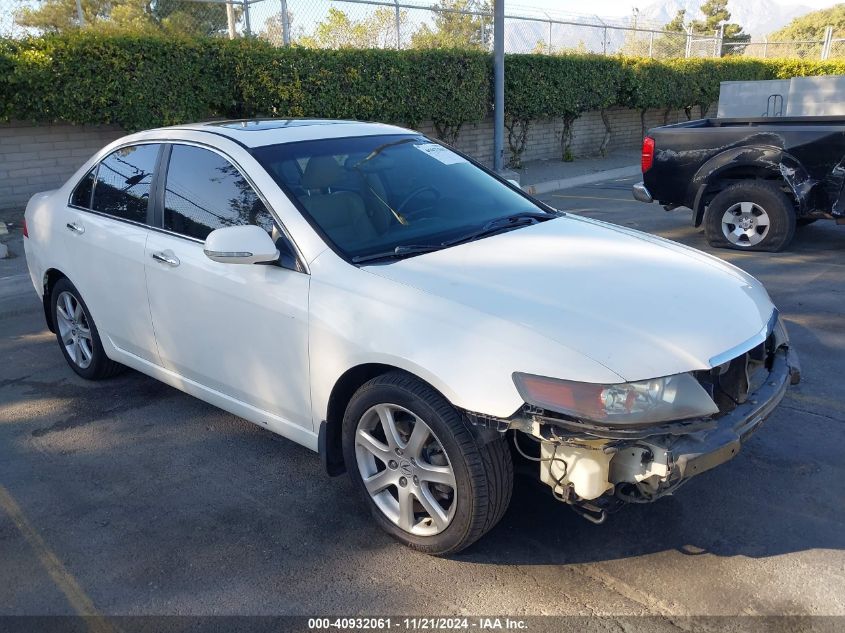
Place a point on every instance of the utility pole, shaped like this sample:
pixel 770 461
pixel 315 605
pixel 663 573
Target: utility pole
pixel 230 19
pixel 398 17
pixel 247 26
pixel 498 84
pixel 720 40
pixel 285 24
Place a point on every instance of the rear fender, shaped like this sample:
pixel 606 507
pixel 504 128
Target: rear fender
pixel 773 160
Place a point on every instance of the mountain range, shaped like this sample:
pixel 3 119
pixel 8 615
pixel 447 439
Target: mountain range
pixel 758 17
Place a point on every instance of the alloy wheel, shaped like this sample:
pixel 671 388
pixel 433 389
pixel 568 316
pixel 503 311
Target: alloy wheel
pixel 745 224
pixel 74 330
pixel 405 470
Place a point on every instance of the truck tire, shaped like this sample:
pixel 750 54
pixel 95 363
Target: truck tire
pixel 426 479
pixel 752 216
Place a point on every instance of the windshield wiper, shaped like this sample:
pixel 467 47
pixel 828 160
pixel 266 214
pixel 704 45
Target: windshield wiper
pixel 399 252
pixel 490 228
pixel 506 223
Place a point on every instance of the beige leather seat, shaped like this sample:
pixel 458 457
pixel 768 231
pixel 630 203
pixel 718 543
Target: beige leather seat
pixel 341 214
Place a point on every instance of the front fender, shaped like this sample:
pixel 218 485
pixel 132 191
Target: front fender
pixel 466 355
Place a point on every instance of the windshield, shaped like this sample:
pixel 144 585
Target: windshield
pixel 392 194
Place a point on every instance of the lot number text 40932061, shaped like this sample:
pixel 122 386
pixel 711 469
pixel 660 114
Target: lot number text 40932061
pixel 417 623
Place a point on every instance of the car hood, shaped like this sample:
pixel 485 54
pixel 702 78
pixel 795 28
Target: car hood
pixel 640 305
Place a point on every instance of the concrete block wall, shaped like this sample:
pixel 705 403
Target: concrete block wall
pixel 544 136
pixel 38 157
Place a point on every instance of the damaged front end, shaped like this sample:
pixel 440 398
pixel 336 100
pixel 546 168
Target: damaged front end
pixel 597 464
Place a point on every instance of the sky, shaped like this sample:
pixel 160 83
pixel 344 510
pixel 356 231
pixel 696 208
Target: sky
pixel 612 8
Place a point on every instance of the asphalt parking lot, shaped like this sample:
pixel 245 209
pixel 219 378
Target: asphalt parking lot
pixel 129 497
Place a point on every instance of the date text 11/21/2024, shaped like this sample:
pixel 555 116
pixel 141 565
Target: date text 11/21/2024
pixel 417 623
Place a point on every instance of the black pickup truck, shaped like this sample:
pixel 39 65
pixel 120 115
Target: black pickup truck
pixel 749 181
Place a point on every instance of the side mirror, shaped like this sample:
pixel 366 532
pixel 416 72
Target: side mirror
pixel 248 244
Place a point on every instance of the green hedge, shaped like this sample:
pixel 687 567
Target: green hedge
pixel 547 86
pixel 145 81
pixel 132 81
pixel 139 81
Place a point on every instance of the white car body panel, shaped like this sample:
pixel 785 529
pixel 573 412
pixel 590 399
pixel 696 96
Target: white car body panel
pixel 106 263
pixel 269 344
pixel 359 317
pixel 241 330
pixel 643 308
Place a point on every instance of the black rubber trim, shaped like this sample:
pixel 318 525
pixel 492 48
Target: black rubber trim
pixel 220 134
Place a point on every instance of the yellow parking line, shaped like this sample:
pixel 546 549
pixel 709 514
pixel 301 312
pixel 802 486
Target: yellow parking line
pixel 558 195
pixel 77 598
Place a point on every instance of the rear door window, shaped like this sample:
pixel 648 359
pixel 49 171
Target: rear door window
pixel 124 181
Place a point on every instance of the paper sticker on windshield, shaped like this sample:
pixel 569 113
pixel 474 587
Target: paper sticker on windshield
pixel 444 155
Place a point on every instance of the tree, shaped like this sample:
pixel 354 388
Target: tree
pixel 55 16
pixel 678 23
pixel 273 30
pixel 192 18
pixel 672 42
pixel 454 28
pixel 177 16
pixel 338 30
pixel 635 44
pixel 811 26
pixel 716 16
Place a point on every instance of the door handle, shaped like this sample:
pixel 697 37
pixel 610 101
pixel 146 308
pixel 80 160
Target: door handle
pixel 166 257
pixel 76 228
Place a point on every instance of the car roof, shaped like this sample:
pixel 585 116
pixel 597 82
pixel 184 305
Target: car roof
pixel 261 132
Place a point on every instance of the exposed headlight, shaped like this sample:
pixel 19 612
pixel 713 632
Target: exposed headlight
pixel 665 399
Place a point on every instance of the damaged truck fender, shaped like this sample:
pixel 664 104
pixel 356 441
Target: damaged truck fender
pixel 769 162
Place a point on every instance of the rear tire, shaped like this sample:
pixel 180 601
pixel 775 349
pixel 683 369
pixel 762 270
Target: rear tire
pixel 77 334
pixel 480 476
pixel 750 216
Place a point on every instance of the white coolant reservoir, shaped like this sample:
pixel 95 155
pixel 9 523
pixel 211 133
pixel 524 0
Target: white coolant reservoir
pixel 585 467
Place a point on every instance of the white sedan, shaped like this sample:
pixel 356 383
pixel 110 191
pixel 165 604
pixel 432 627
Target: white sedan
pixel 425 325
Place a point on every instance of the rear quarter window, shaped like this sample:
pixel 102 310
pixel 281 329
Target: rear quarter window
pixel 81 196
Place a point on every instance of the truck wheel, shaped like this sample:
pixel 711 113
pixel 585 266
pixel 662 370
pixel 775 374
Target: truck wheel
pixel 419 468
pixel 754 216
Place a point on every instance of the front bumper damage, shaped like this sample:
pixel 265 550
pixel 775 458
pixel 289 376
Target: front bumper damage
pixel 596 470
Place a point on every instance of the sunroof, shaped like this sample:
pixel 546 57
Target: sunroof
pixel 257 125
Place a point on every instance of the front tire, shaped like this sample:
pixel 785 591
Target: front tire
pixel 752 216
pixel 427 480
pixel 77 334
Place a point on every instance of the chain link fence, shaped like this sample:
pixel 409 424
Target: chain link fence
pixel 392 24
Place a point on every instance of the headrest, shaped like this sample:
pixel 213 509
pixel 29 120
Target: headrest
pixel 322 172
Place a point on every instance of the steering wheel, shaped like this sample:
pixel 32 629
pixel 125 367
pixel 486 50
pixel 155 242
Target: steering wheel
pixel 414 194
